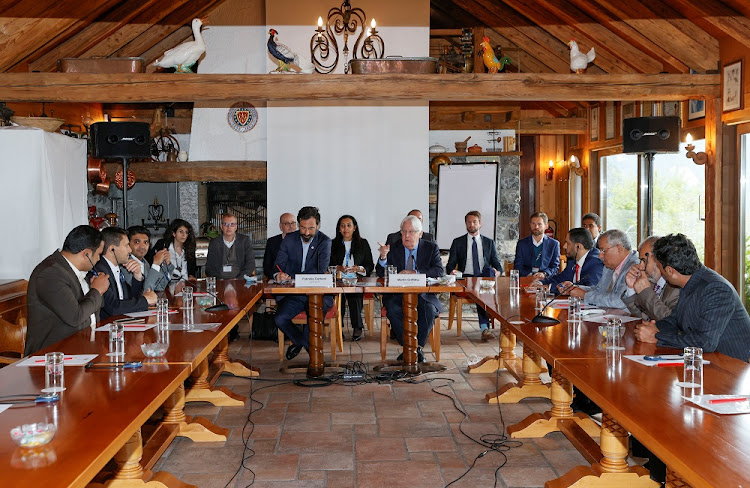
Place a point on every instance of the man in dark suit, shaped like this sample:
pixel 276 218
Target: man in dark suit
pixel 476 259
pixel 396 236
pixel 709 313
pixel 121 298
pixel 231 255
pixel 584 266
pixel 537 255
pixel 158 272
pixel 412 255
pixel 649 295
pixel 592 223
pixel 287 224
pixel 60 300
pixel 306 251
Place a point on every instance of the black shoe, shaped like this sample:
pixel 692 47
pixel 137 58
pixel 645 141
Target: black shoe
pixel 393 335
pixel 234 333
pixel 357 335
pixel 400 357
pixel 420 355
pixel 292 351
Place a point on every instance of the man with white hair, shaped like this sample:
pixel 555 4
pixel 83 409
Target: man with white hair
pixel 412 255
pixel 617 255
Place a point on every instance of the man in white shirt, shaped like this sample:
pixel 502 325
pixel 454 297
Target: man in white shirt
pixel 592 223
pixel 60 301
pixel 156 274
pixel 584 266
pixel 121 298
pixel 649 294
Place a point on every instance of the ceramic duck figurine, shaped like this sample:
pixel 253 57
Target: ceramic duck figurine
pixel 183 57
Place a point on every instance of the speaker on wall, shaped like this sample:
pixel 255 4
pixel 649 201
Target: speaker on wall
pixel 651 135
pixel 121 140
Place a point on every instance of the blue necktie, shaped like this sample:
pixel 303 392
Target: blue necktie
pixel 475 257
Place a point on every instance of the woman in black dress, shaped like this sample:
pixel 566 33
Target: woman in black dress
pixel 179 238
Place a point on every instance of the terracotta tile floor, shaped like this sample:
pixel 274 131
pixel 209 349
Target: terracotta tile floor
pixel 373 435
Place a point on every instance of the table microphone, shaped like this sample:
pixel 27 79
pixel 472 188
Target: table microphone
pixel 217 308
pixel 540 318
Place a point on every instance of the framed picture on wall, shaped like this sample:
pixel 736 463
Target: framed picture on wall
pixel 671 109
pixel 731 81
pixel 609 120
pixel 594 121
pixel 696 109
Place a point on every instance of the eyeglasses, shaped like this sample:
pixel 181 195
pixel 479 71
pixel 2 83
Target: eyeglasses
pixel 409 232
pixel 229 224
pixel 292 224
pixel 602 251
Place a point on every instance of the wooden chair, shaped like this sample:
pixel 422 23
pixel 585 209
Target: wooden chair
pixel 332 320
pixel 368 304
pixel 12 341
pixel 385 329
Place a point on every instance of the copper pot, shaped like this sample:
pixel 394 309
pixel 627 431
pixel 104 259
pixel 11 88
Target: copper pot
pixel 102 188
pixel 476 148
pixel 95 170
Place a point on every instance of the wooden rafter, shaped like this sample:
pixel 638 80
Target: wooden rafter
pixel 723 19
pixel 70 87
pixel 526 61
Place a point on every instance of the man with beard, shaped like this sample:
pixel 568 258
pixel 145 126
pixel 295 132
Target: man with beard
pixel 584 266
pixel 537 255
pixel 649 295
pixel 157 273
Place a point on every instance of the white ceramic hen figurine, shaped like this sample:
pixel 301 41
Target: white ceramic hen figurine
pixel 579 61
pixel 183 57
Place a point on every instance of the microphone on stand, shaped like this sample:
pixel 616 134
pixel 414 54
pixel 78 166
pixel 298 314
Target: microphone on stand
pixel 540 318
pixel 217 308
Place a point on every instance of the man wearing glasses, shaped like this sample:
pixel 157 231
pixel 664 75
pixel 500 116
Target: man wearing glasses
pixel 649 294
pixel 231 255
pixel 616 253
pixel 287 224
pixel 412 255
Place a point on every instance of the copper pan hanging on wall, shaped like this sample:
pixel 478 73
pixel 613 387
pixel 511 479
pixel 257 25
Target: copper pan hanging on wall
pixel 102 187
pixel 118 179
pixel 95 170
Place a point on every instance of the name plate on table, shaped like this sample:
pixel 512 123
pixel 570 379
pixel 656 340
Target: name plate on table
pixel 313 281
pixel 407 280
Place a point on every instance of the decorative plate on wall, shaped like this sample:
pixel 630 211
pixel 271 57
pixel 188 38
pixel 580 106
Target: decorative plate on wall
pixel 242 116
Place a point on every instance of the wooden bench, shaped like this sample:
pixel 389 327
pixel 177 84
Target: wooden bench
pixel 12 320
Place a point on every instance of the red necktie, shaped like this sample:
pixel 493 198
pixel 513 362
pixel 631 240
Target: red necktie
pixel 577 269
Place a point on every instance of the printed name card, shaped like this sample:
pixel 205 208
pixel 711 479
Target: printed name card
pixel 313 281
pixel 407 280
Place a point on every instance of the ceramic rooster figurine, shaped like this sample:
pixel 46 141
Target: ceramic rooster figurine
pixel 579 61
pixel 286 57
pixel 490 60
pixel 183 57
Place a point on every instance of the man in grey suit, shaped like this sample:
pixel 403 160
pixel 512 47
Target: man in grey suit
pixel 617 255
pixel 60 300
pixel 709 313
pixel 396 236
pixel 156 274
pixel 649 295
pixel 231 255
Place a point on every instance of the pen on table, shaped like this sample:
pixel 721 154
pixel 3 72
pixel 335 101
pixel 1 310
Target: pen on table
pixel 727 400
pixel 665 365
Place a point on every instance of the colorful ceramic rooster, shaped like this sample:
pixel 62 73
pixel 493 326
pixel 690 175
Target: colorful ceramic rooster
pixel 183 57
pixel 490 60
pixel 286 56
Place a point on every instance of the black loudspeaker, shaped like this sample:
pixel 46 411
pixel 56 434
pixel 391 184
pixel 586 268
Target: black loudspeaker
pixel 651 135
pixel 121 140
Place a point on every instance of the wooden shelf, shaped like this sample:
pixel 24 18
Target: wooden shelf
pixel 194 171
pixel 479 154
pixel 170 87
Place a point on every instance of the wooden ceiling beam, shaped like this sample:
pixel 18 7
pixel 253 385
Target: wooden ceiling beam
pixel 682 38
pixel 167 87
pixel 534 41
pixel 90 36
pixel 603 36
pixel 450 15
pixel 722 18
pixel 522 59
pixel 670 63
pixel 605 59
pixel 195 171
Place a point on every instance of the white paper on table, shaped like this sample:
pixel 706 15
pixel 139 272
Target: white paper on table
pixel 70 360
pixel 407 279
pixel 147 313
pixel 559 303
pixel 4 407
pixel 206 326
pixel 666 359
pixel 729 408
pixel 602 319
pixel 127 327
pixel 593 311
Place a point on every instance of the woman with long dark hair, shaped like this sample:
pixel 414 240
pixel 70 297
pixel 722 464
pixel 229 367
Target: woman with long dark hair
pixel 179 238
pixel 348 249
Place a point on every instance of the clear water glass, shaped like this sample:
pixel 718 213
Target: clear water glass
pixel 515 279
pixel 162 311
pixel 574 308
pixel 693 372
pixel 54 372
pixel 614 331
pixel 211 284
pixel 116 339
pixel 187 297
pixel 390 270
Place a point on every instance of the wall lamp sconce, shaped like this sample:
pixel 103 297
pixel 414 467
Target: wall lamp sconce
pixel 699 158
pixel 551 171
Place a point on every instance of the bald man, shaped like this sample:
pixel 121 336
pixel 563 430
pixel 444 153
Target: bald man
pixel 287 224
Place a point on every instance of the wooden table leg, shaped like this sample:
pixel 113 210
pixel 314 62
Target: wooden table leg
pixel 201 390
pixel 530 387
pixel 675 481
pixel 410 332
pixel 539 425
pixel 198 429
pixel 226 365
pixel 315 319
pixel 130 473
pixel 613 469
pixel 506 360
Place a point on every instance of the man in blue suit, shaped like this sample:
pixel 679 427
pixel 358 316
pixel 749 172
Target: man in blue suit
pixel 476 259
pixel 584 266
pixel 412 255
pixel 306 251
pixel 537 255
